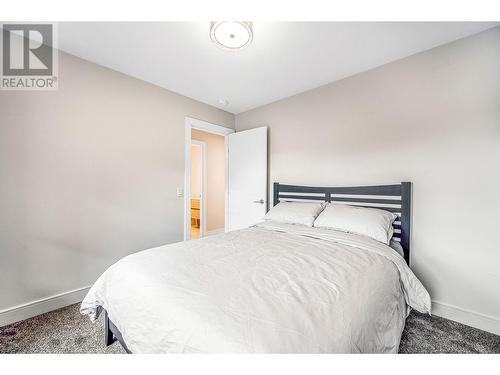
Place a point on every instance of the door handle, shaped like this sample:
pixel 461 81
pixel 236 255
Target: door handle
pixel 261 201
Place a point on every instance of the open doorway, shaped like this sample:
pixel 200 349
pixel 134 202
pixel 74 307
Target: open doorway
pixel 198 195
pixel 205 188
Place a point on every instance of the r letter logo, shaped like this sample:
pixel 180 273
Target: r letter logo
pixel 29 57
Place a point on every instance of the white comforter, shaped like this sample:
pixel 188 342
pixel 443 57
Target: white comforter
pixel 272 288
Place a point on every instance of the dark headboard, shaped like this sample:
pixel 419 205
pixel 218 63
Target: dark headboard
pixel 393 198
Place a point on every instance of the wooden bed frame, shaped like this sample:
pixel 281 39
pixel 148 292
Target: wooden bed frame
pixel 393 198
pixel 112 333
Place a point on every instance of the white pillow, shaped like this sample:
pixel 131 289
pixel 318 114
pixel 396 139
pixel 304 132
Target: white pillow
pixel 303 213
pixel 370 222
pixel 397 246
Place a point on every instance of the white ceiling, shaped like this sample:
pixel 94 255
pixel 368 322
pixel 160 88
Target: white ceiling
pixel 284 58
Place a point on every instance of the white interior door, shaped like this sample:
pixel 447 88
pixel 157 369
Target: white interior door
pixel 247 178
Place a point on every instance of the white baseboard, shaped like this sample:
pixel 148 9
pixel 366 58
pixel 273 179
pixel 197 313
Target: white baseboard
pixel 214 231
pixel 41 306
pixel 468 317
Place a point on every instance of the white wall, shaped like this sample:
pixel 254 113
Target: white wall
pixel 433 119
pixel 88 174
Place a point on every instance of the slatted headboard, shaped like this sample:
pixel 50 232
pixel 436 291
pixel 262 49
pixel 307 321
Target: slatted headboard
pixel 393 198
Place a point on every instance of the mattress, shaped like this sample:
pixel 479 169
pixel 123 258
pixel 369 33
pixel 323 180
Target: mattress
pixel 271 288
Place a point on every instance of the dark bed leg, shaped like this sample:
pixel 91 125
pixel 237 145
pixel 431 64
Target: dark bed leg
pixel 109 338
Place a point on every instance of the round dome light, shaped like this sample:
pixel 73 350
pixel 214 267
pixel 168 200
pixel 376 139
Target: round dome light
pixel 231 35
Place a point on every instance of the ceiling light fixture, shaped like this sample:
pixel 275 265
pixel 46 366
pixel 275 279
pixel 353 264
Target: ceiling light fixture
pixel 231 35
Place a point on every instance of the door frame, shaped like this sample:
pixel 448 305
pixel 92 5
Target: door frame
pixel 192 123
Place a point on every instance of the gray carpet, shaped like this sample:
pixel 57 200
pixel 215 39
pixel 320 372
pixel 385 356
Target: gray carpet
pixel 66 331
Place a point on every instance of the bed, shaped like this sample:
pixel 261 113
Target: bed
pixel 270 288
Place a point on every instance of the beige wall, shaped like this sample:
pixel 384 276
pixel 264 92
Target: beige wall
pixel 195 171
pixel 215 178
pixel 88 174
pixel 433 119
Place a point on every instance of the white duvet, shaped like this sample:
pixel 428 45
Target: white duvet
pixel 272 288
